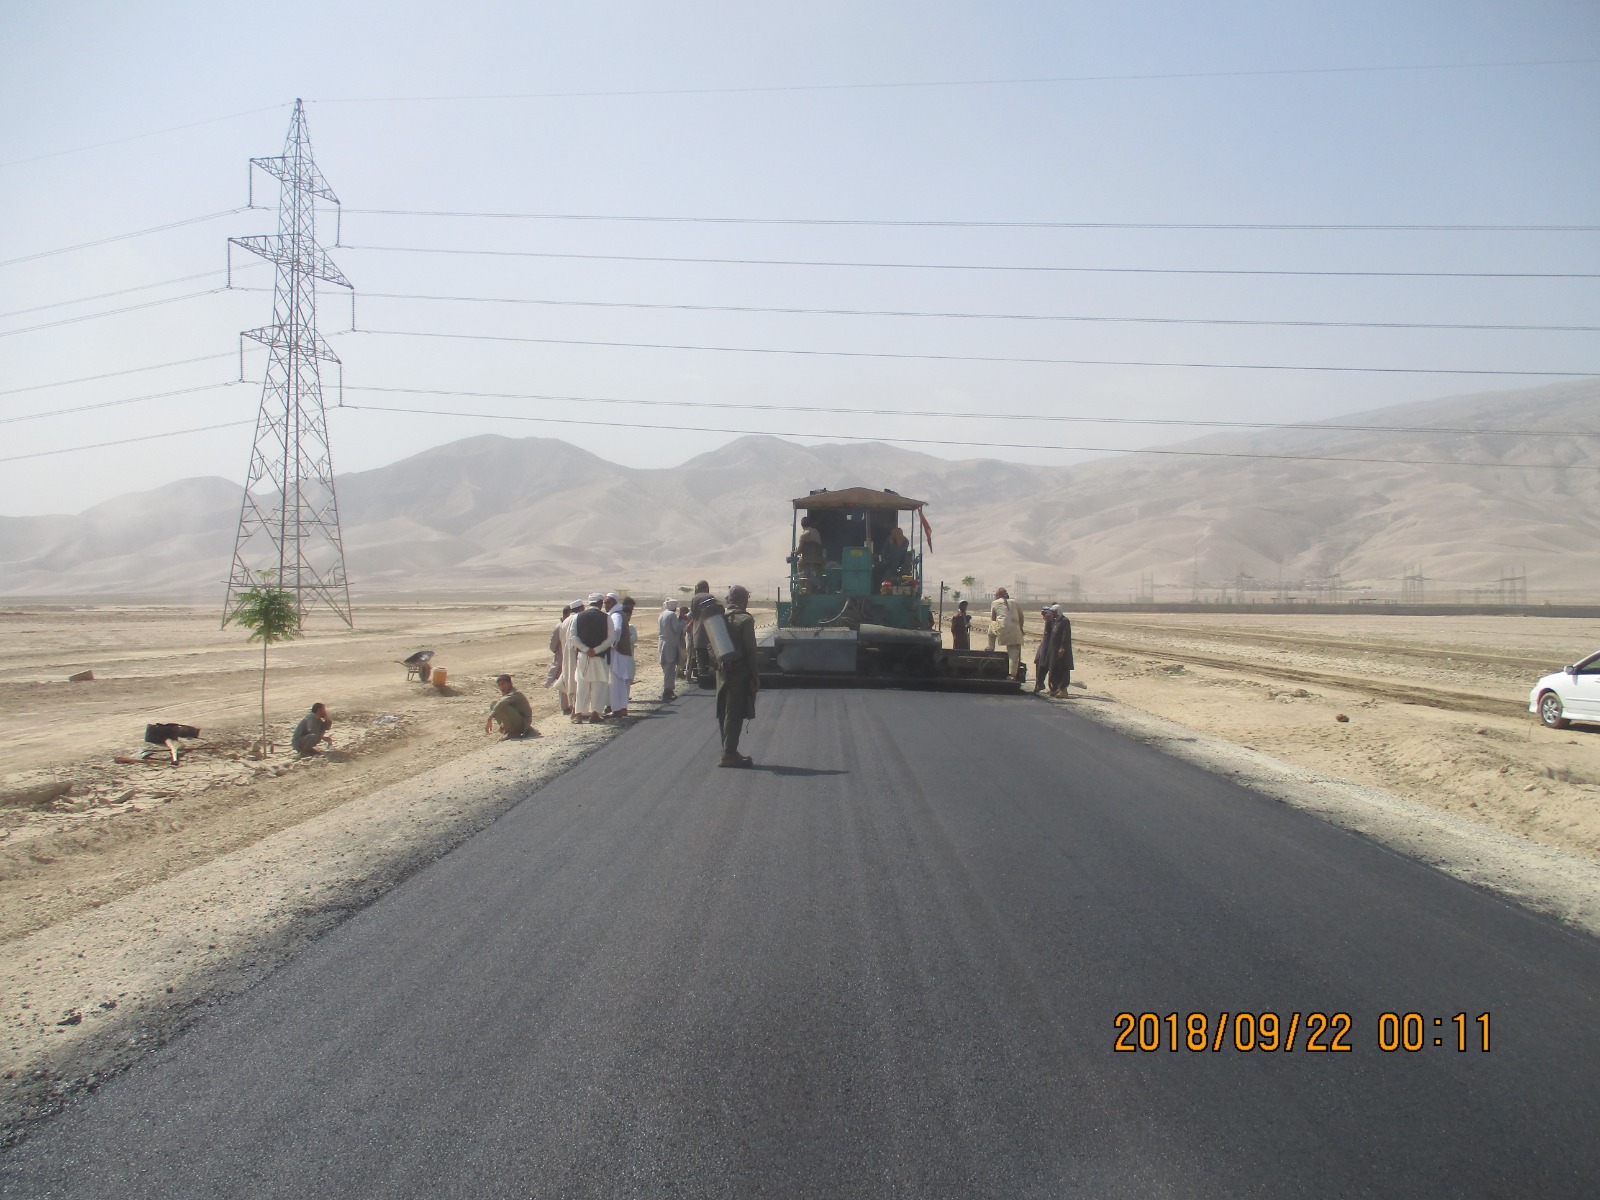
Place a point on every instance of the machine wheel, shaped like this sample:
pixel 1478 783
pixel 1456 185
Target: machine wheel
pixel 1550 711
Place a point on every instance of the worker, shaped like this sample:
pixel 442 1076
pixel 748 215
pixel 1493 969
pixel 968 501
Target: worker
pixel 685 629
pixel 622 664
pixel 894 555
pixel 1061 663
pixel 669 634
pixel 595 638
pixel 1041 656
pixel 961 628
pixel 699 652
pixel 737 679
pixel 1006 629
pixel 312 731
pixel 812 557
pixel 512 712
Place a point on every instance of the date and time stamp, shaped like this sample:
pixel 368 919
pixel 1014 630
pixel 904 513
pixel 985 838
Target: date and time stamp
pixel 1297 1032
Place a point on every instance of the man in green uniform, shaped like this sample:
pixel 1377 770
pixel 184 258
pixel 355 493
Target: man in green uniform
pixel 311 732
pixel 512 711
pixel 737 680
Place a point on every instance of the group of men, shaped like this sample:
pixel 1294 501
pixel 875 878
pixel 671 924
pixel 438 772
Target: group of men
pixel 592 657
pixel 1052 661
pixel 593 668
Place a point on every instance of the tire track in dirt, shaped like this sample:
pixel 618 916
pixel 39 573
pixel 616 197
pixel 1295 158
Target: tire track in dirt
pixel 1529 666
pixel 1465 702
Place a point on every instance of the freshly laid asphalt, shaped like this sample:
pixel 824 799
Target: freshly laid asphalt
pixel 886 962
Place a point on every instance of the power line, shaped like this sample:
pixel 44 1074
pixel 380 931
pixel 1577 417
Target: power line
pixel 905 266
pixel 112 312
pixel 937 224
pixel 182 362
pixel 146 437
pixel 134 137
pixel 143 287
pixel 975 316
pixel 1415 462
pixel 64 412
pixel 122 237
pixel 1316 426
pixel 960 83
pixel 982 358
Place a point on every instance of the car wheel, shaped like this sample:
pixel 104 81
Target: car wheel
pixel 1550 711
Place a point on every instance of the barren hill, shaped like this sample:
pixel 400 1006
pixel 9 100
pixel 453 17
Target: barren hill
pixel 542 515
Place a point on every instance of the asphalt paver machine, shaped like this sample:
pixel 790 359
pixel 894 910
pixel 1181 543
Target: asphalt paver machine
pixel 856 614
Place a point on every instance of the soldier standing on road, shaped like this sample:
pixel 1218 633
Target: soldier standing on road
pixel 737 680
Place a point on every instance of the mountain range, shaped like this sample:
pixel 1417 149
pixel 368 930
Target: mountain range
pixel 542 517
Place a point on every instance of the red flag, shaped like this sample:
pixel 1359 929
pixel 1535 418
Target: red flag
pixel 927 530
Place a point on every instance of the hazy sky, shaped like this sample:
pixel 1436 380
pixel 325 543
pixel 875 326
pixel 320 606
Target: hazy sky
pixel 1245 114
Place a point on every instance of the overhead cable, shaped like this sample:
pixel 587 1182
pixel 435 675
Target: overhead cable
pixel 123 441
pixel 112 312
pixel 122 237
pixel 1139 77
pixel 905 266
pixel 982 358
pixel 943 224
pixel 134 137
pixel 855 410
pixel 974 316
pixel 916 441
pixel 143 287
pixel 182 362
pixel 83 408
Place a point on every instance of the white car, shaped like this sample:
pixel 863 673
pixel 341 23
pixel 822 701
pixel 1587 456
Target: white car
pixel 1571 694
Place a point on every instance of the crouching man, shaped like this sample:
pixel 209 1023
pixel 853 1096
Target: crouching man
pixel 511 712
pixel 312 731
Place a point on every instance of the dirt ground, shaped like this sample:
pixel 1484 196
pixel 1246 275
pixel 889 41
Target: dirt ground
pixel 122 827
pixel 1435 707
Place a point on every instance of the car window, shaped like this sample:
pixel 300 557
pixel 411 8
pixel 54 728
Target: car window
pixel 1590 666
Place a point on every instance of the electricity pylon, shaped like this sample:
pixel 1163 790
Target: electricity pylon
pixel 289 519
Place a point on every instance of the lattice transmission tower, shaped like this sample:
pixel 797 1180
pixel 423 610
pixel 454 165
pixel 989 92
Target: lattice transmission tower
pixel 289 520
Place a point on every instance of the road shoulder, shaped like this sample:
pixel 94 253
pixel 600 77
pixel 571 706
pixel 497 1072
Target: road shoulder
pixel 88 997
pixel 1538 877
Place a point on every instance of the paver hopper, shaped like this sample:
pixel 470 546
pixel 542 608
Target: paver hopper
pixel 856 615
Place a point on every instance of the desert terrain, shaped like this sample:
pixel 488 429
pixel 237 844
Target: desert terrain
pixel 1435 710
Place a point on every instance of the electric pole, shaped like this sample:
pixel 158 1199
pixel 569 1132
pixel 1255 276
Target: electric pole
pixel 289 519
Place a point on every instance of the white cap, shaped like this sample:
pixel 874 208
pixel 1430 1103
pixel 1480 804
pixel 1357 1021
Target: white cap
pixel 672 604
pixel 595 597
pixel 575 603
pixel 1056 608
pixel 611 596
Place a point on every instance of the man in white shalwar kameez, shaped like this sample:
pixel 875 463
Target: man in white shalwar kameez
pixel 594 672
pixel 553 676
pixel 623 636
pixel 569 661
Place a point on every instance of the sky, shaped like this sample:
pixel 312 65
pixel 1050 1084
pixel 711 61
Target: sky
pixel 878 155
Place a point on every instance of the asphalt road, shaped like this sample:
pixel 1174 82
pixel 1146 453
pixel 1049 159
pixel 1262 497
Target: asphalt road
pixel 888 962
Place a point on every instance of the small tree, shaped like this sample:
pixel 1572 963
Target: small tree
pixel 270 614
pixel 969 581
